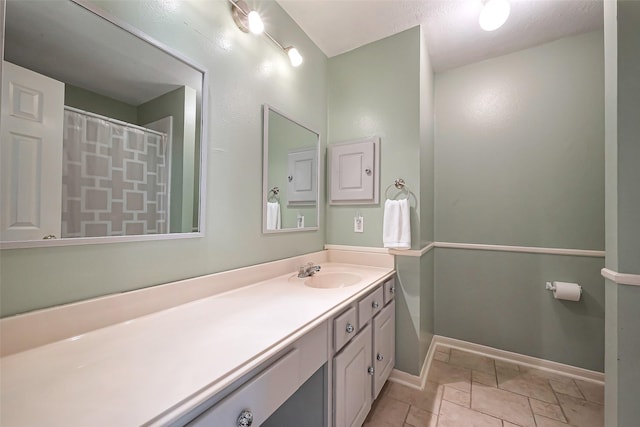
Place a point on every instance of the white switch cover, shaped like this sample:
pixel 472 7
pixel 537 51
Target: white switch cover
pixel 358 224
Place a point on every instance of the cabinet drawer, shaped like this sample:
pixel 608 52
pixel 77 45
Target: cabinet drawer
pixel 370 305
pixel 344 328
pixel 389 290
pixel 261 396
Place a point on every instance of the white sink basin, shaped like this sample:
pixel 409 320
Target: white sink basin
pixel 332 280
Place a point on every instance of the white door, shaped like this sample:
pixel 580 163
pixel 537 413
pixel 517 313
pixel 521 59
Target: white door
pixel 384 346
pixel 31 149
pixel 301 181
pixel 352 381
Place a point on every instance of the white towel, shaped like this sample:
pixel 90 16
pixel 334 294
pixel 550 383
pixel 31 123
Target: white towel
pixel 273 216
pixel 396 227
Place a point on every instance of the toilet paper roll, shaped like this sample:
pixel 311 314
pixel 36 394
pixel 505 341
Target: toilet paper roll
pixel 567 291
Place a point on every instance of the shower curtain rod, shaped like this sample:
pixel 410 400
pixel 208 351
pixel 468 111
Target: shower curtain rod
pixel 115 121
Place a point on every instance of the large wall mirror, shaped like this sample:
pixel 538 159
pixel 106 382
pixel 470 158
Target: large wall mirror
pixel 290 174
pixel 101 130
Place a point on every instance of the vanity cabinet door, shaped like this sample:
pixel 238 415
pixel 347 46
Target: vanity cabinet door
pixel 384 346
pixel 352 381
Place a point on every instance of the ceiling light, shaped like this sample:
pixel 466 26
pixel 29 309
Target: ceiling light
pixel 250 21
pixel 255 22
pixel 294 56
pixel 494 14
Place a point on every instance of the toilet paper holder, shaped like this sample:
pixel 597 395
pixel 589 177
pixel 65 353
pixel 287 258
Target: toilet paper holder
pixel 551 286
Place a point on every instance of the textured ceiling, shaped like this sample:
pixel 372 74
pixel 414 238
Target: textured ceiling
pixel 453 35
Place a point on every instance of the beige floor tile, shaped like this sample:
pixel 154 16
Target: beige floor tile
pixel 452 415
pixel 508 424
pixel 441 356
pixel 388 411
pixel 549 410
pixel 427 399
pixel 525 383
pixel 570 388
pixel 456 396
pixel 548 422
pixel 581 413
pixel 446 374
pixel 506 365
pixel 591 391
pixel 502 404
pixel 472 361
pixel 420 418
pixel 484 378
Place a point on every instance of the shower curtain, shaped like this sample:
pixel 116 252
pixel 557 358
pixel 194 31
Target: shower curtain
pixel 115 178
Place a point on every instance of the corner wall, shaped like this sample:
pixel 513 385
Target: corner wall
pixel 622 370
pixel 386 89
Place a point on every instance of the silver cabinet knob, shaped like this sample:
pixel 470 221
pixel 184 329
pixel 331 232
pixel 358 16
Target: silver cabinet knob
pixel 367 171
pixel 290 178
pixel 49 237
pixel 371 371
pixel 350 328
pixel 245 419
pixel 375 304
pixel 392 290
pixel 379 357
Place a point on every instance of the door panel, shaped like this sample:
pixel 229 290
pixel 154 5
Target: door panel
pixel 352 397
pixel 31 150
pixel 384 343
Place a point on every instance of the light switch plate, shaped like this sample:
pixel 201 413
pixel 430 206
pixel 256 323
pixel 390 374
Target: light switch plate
pixel 358 224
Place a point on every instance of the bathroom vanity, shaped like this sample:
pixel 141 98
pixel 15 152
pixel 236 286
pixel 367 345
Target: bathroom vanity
pixel 231 358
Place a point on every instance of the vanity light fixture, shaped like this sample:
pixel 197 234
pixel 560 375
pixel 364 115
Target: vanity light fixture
pixel 250 21
pixel 494 14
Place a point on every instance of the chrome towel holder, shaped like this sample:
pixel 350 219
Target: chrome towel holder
pixel 273 194
pixel 400 185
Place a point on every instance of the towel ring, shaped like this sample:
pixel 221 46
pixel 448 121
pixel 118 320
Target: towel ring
pixel 400 185
pixel 273 193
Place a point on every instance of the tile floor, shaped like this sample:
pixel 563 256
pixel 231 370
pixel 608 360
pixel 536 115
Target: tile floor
pixel 469 390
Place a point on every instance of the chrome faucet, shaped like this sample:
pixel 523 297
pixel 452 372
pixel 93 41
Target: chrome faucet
pixel 308 270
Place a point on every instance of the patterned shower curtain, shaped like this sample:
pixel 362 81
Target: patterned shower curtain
pixel 115 178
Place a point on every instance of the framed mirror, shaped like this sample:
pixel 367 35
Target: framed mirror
pixel 102 130
pixel 291 174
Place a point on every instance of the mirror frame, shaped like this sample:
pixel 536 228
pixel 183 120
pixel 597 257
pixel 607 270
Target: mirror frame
pixel 266 108
pixel 72 241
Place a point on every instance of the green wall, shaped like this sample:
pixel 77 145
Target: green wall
pixel 520 161
pixel 622 349
pixel 375 90
pixel 86 100
pixel 244 72
pixel 386 89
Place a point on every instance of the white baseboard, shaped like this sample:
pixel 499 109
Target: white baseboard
pixel 418 382
pixel 415 381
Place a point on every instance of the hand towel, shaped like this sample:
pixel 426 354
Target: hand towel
pixel 396 227
pixel 273 216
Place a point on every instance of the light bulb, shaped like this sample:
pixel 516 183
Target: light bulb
pixel 494 14
pixel 256 26
pixel 294 56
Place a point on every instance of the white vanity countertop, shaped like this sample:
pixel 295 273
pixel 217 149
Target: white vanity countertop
pixel 152 369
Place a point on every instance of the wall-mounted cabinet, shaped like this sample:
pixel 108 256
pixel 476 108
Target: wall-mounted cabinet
pixel 354 172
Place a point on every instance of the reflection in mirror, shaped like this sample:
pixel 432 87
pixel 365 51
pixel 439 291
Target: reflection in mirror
pixel 101 129
pixel 290 175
